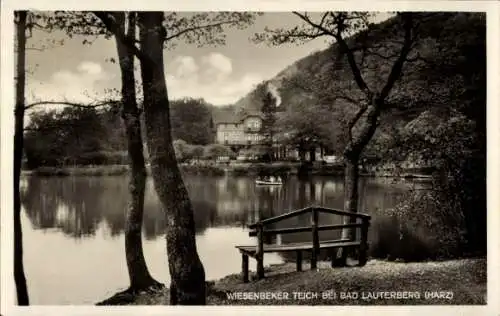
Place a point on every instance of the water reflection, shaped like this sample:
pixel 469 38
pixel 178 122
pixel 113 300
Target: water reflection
pixel 68 220
pixel 77 205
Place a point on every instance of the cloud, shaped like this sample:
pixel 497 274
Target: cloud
pixel 218 63
pixel 90 68
pixel 184 66
pixel 85 85
pixel 211 78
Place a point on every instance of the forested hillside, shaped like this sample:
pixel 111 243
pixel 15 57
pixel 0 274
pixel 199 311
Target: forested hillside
pixel 444 77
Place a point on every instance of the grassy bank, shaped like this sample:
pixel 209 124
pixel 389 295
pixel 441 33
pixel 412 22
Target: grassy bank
pixel 102 170
pixel 199 168
pixel 206 168
pixel 463 282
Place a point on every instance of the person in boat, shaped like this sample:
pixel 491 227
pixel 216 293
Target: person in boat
pixel 272 179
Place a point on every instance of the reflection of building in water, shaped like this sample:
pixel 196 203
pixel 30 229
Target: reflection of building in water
pixel 222 184
pixel 63 215
pixel 229 206
pixel 242 188
pixel 331 185
pixel 318 188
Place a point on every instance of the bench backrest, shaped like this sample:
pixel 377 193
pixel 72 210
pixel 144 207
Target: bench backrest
pixel 259 228
pixel 365 221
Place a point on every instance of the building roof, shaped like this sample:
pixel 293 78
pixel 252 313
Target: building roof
pixel 220 116
pixel 224 116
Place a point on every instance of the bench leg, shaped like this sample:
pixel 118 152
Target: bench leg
pixel 363 256
pixel 314 259
pixel 260 265
pixel 244 267
pixel 340 257
pixel 299 260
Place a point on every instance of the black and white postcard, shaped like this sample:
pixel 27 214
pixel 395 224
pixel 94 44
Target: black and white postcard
pixel 290 156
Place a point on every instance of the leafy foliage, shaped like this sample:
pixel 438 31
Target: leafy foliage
pixel 305 126
pixel 191 121
pixel 214 151
pixel 72 136
pixel 205 28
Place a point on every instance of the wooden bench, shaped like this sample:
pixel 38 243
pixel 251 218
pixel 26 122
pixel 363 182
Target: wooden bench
pixel 314 246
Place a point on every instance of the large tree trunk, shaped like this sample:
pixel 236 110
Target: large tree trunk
pixel 140 278
pixel 20 279
pixel 186 270
pixel 352 154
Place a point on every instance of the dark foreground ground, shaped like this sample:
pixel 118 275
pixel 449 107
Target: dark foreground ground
pixel 455 282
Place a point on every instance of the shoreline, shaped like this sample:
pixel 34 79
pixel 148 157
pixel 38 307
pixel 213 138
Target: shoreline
pixel 380 282
pixel 220 169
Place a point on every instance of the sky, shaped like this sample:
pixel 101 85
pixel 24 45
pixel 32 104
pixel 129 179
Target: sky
pixel 221 75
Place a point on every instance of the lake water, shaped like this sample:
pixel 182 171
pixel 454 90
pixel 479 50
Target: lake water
pixel 73 227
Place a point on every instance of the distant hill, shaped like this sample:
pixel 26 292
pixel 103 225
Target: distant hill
pixel 443 36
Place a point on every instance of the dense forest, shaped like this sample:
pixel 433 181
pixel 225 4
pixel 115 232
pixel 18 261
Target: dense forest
pixel 94 136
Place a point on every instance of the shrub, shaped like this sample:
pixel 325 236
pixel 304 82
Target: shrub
pixel 205 169
pixel 182 150
pixel 422 226
pixel 197 151
pixel 50 171
pixel 213 151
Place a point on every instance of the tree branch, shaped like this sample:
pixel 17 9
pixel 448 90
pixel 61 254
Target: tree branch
pixel 417 57
pixel 386 57
pixel 113 28
pixel 353 65
pixel 199 27
pixel 73 104
pixel 346 98
pixel 304 17
pixel 35 48
pixel 405 50
pixel 355 119
pixel 342 44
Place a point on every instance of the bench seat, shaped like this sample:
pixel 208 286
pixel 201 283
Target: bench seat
pixel 262 230
pixel 327 244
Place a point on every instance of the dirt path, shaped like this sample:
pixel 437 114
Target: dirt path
pixel 455 282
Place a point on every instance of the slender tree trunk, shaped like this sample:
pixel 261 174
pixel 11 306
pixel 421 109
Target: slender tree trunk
pixel 20 279
pixel 352 154
pixel 186 270
pixel 140 278
pixel 367 117
pixel 312 154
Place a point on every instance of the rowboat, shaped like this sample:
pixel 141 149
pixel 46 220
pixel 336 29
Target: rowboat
pixel 263 182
